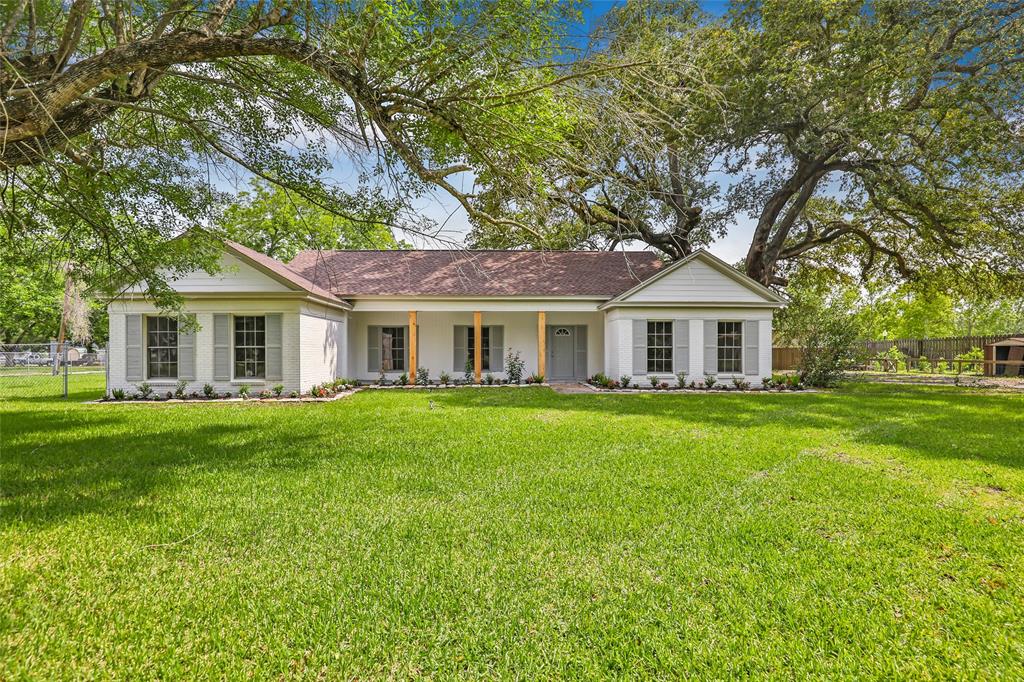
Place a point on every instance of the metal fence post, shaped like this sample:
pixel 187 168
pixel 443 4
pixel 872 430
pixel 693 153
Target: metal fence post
pixel 64 359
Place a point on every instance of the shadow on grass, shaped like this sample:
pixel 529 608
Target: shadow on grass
pixel 59 464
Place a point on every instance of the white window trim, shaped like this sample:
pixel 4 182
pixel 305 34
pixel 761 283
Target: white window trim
pixel 732 375
pixel 671 346
pixel 236 381
pixel 156 381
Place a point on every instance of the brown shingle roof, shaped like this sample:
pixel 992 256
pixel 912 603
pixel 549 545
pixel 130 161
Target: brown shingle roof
pixel 603 274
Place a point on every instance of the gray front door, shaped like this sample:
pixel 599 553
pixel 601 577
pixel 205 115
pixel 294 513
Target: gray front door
pixel 561 359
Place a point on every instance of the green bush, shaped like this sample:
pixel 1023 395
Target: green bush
pixel 445 378
pixel 923 365
pixel 514 366
pixel 278 390
pixel 422 376
pixel 973 354
pixel 209 391
pixel 625 380
pixel 179 389
pixel 681 379
pixel 118 394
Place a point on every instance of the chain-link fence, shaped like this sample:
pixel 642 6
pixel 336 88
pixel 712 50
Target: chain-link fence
pixel 48 370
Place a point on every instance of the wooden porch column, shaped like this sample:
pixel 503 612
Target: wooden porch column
pixel 541 341
pixel 412 346
pixel 478 346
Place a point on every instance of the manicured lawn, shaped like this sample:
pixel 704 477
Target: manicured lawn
pixel 871 532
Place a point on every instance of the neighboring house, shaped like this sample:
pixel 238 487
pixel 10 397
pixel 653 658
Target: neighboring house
pixel 358 314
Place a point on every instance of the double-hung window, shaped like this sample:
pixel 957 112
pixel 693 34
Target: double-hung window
pixel 250 347
pixel 162 347
pixel 730 347
pixel 485 332
pixel 392 349
pixel 659 346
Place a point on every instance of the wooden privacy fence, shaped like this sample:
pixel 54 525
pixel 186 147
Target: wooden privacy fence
pixel 784 358
pixel 946 347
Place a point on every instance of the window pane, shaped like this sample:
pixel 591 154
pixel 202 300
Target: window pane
pixel 730 347
pixel 659 346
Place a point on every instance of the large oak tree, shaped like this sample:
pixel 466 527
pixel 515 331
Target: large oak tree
pixel 123 121
pixel 886 135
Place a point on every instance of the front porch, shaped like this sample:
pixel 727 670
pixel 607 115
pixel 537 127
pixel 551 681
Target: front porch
pixel 561 345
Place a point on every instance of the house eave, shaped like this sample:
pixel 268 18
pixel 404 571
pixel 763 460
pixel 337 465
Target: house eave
pixel 690 304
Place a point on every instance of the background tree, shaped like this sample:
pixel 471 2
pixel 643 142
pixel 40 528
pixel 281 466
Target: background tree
pixel 279 223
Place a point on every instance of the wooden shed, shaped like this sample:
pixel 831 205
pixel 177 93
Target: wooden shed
pixel 1010 350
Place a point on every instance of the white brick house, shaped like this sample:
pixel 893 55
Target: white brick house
pixel 358 314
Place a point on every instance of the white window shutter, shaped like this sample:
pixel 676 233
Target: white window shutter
pixel 373 349
pixel 461 349
pixel 222 347
pixel 273 340
pixel 405 345
pixel 133 347
pixel 711 346
pixel 750 348
pixel 639 347
pixel 681 343
pixel 187 348
pixel 497 348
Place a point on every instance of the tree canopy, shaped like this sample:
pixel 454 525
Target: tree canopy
pixel 120 120
pixel 884 137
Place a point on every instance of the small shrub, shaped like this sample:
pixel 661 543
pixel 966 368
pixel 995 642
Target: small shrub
pixel 663 385
pixel 625 380
pixel 118 394
pixel 940 366
pixel 293 394
pixel 468 371
pixel 194 395
pixel 264 394
pixel 681 379
pixel 741 384
pixel 514 366
pixel 278 390
pixel 923 365
pixel 422 376
pixel 489 379
pixel 710 380
pixel 654 381
pixel 179 389
pixel 169 395
pixel 145 390
pixel 243 391
pixel 445 378
pixel 209 391
pixel 535 378
pixel 403 379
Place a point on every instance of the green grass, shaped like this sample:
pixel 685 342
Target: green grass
pixel 877 531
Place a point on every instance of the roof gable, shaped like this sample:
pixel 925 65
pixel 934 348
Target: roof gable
pixel 699 278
